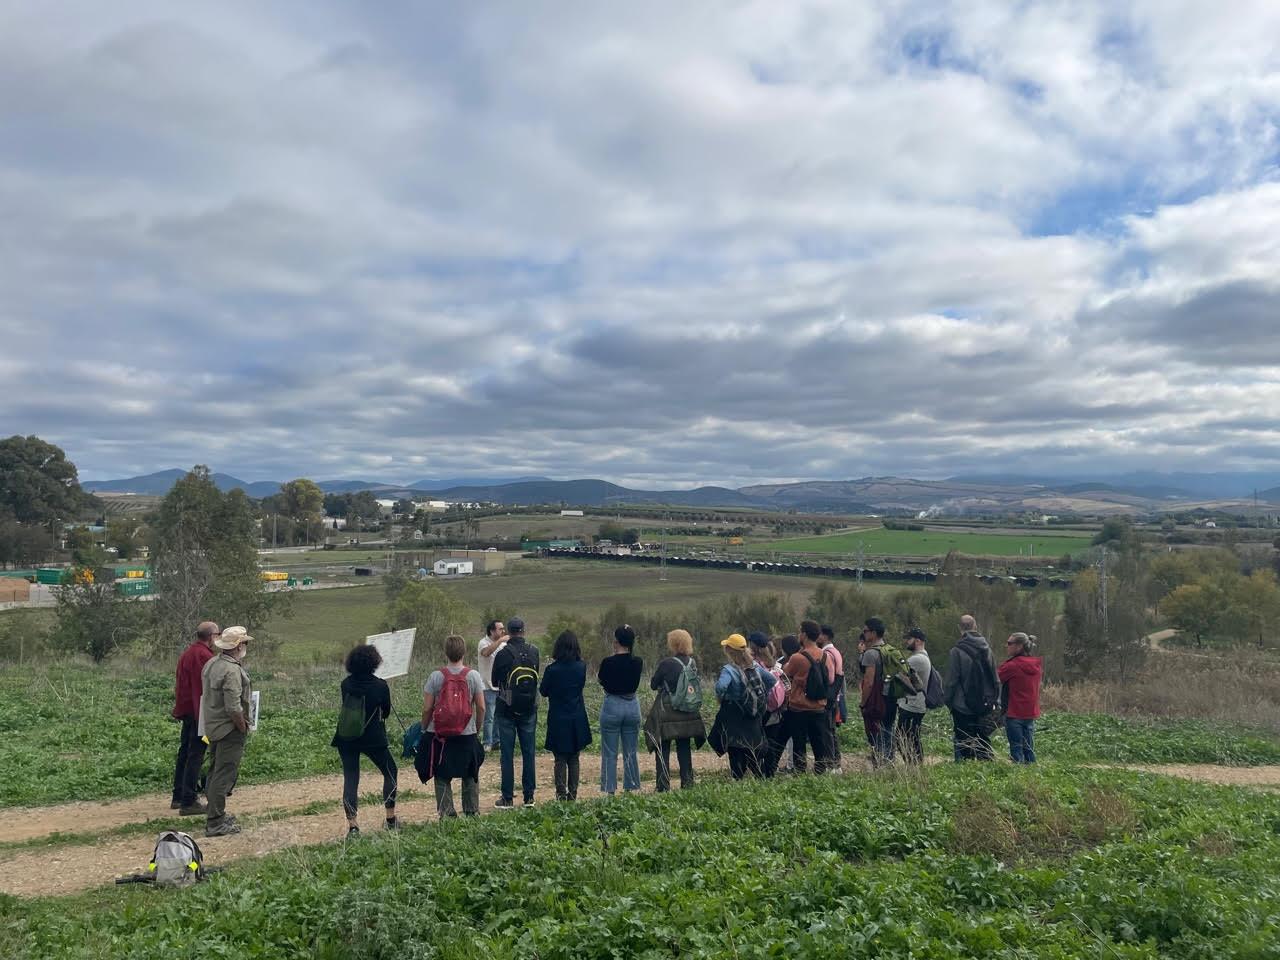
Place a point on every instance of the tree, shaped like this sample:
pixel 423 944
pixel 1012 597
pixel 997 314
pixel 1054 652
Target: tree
pixel 1106 629
pixel 1197 608
pixel 125 536
pixel 630 536
pixel 205 562
pixel 1256 602
pixel 1115 530
pixel 92 618
pixel 303 499
pixel 434 611
pixel 38 484
pixel 611 531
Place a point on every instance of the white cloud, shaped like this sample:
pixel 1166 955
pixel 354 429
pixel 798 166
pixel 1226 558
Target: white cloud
pixel 667 243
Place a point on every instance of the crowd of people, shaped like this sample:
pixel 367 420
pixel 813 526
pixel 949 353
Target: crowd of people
pixel 776 700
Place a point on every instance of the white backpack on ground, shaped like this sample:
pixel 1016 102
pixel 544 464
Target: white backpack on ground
pixel 177 860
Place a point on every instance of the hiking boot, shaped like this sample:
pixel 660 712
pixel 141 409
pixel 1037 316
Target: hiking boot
pixel 175 804
pixel 352 832
pixel 530 802
pixel 196 809
pixel 502 803
pixel 224 829
pixel 393 823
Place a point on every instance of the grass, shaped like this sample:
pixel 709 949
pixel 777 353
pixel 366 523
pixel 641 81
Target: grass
pixel 962 862
pixel 929 543
pixel 76 732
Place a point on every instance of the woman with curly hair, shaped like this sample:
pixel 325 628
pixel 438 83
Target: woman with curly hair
pixel 366 703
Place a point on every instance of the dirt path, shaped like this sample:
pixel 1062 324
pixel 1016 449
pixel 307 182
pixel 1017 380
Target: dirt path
pixel 274 819
pixel 1208 773
pixel 270 814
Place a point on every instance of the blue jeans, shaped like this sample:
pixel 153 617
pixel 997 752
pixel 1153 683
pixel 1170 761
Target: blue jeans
pixel 619 721
pixel 508 728
pixel 1022 739
pixel 490 735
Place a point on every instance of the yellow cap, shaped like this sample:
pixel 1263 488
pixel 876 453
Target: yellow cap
pixel 735 640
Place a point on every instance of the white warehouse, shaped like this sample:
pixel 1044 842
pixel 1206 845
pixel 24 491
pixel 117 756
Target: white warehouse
pixel 453 568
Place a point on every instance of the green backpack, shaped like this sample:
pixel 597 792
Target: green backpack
pixel 687 696
pixel 900 678
pixel 351 720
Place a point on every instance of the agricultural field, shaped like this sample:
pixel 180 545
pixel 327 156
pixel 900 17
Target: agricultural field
pixel 879 541
pixel 325 623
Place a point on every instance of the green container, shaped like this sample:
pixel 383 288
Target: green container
pixel 133 588
pixel 308 581
pixel 51 574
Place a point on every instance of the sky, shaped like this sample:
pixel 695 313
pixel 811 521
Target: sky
pixel 662 244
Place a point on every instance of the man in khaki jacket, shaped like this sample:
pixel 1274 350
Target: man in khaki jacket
pixel 224 708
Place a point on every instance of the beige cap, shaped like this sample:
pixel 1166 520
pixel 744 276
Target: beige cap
pixel 232 637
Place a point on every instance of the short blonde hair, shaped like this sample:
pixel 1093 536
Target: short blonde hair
pixel 455 648
pixel 680 642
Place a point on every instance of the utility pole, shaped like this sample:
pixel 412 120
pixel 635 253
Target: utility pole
pixel 862 552
pixel 662 557
pixel 1102 596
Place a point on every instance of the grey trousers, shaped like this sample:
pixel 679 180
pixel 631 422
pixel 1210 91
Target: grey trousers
pixel 470 797
pixel 224 767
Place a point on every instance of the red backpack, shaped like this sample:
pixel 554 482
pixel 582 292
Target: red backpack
pixel 452 710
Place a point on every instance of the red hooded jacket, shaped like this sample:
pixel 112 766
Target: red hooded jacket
pixel 1022 675
pixel 186 688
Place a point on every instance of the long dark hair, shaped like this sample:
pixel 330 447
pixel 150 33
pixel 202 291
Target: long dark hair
pixel 567 647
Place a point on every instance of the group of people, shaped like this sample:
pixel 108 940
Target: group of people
pixel 776 700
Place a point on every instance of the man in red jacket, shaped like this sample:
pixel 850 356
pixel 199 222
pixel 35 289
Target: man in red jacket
pixel 186 707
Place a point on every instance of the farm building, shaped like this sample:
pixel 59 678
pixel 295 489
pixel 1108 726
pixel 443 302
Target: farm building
pixel 452 568
pixel 570 513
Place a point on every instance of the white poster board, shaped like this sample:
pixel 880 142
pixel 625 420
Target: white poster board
pixel 396 649
pixel 253 709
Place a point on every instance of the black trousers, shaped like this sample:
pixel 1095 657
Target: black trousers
pixel 777 734
pixel 382 759
pixel 972 736
pixel 186 772
pixel 566 776
pixel 810 727
pixel 684 757
pixel 743 761
pixel 908 736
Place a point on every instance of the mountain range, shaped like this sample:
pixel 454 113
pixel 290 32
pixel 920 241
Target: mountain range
pixel 1135 492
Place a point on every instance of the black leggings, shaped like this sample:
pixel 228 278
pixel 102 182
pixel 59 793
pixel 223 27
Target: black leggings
pixel 382 759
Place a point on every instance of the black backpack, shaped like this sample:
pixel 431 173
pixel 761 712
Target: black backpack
pixel 752 692
pixel 934 695
pixel 520 692
pixel 816 686
pixel 980 688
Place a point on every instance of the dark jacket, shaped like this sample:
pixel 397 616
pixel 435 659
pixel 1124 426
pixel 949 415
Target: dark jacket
pixel 377 707
pixel 518 650
pixel 620 674
pixel 664 722
pixel 972 688
pixel 733 728
pixel 568 730
pixel 186 688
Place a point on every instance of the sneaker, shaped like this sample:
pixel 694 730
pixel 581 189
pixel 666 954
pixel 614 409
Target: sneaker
pixel 196 809
pixel 503 804
pixel 224 829
pixel 175 804
pixel 530 802
pixel 352 832
pixel 393 823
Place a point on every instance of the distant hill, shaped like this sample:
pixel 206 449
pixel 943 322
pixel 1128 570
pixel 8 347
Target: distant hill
pixel 955 496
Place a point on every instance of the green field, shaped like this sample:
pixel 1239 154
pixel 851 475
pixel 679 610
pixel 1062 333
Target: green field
pixel 325 623
pixel 878 541
pixel 964 862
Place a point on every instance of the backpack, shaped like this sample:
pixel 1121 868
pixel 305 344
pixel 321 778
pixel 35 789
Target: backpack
pixel 452 710
pixel 934 695
pixel 777 693
pixel 816 685
pixel 980 688
pixel 176 861
pixel 752 692
pixel 351 717
pixel 687 696
pixel 900 677
pixel 520 692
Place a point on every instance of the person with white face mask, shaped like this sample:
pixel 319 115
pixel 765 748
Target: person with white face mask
pixel 224 709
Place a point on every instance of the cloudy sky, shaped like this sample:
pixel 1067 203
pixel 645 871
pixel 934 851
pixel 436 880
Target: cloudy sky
pixel 656 243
